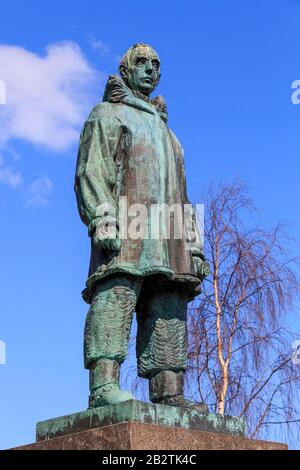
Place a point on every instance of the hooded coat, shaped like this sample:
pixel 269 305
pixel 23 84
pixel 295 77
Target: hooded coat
pixel 127 149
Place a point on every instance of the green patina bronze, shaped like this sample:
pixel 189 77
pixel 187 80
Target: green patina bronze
pixel 127 150
pixel 139 412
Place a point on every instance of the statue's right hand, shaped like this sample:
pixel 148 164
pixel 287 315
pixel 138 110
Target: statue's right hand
pixel 109 244
pixel 106 236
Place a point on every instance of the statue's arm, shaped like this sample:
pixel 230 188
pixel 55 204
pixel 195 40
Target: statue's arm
pixel 196 243
pixel 95 179
pixel 201 266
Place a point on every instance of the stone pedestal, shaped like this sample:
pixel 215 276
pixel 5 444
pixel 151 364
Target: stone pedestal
pixel 138 436
pixel 136 425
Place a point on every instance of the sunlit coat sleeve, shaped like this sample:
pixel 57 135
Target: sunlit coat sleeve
pixel 192 228
pixel 96 171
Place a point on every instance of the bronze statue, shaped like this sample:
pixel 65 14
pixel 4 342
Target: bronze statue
pixel 128 151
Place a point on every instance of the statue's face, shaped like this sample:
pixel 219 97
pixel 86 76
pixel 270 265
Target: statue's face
pixel 143 73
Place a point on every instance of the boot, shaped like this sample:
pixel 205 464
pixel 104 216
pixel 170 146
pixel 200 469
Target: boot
pixel 104 384
pixel 167 388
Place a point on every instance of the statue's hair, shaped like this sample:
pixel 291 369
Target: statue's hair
pixel 125 61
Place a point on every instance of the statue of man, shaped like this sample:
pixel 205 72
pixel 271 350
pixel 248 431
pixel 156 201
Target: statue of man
pixel 128 151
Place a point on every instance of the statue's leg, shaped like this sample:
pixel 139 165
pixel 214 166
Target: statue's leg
pixel 162 335
pixel 162 344
pixel 106 337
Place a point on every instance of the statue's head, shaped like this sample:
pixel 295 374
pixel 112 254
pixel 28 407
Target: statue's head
pixel 140 68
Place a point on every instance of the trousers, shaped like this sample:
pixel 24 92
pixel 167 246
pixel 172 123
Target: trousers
pixel 161 309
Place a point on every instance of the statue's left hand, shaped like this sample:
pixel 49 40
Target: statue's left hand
pixel 201 267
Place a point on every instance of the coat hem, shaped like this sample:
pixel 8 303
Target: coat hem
pixel 134 271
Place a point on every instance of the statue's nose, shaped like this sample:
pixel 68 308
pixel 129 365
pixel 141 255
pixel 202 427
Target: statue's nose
pixel 149 67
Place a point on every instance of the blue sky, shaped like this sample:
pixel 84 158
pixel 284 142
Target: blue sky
pixel 227 71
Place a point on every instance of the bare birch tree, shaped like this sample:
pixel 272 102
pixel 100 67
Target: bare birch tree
pixel 240 352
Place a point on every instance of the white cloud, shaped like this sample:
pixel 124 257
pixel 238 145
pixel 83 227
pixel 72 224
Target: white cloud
pixel 47 100
pixel 10 177
pixel 101 46
pixel 47 97
pixel 39 192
